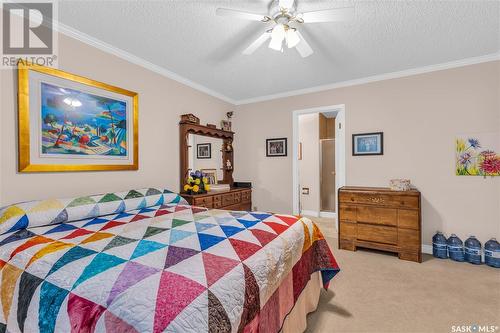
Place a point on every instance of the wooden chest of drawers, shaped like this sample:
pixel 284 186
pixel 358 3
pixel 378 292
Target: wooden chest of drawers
pixel 234 199
pixel 381 219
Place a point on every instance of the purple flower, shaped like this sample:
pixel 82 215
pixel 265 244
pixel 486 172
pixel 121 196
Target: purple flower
pixel 474 143
pixel 465 158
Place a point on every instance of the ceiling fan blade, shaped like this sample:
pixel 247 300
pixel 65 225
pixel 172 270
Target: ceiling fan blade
pixel 329 15
pixel 303 47
pixel 257 43
pixel 286 3
pixel 239 14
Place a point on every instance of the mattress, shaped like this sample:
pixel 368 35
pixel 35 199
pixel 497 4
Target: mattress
pixel 155 264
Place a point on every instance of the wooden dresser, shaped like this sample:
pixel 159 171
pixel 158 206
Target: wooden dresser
pixel 234 199
pixel 381 219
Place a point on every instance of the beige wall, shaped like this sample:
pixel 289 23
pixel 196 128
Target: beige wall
pixel 309 165
pixel 161 101
pixel 419 115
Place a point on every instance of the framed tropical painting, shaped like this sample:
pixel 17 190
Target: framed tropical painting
pixel 71 123
pixel 477 154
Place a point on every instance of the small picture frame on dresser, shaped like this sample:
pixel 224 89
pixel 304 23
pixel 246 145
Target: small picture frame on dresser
pixel 368 144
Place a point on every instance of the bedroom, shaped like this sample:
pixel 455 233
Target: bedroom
pixel 425 74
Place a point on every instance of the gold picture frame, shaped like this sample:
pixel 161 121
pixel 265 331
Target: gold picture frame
pixel 26 156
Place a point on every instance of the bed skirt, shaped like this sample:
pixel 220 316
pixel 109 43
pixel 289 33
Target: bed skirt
pixel 296 321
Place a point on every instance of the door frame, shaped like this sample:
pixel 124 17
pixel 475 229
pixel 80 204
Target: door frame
pixel 340 151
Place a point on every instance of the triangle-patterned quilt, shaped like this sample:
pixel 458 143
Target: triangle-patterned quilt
pixel 145 261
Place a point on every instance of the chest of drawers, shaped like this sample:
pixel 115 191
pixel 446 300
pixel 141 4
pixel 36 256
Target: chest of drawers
pixel 234 199
pixel 381 219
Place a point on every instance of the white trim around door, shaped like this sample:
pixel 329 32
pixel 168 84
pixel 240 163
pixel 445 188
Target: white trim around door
pixel 340 150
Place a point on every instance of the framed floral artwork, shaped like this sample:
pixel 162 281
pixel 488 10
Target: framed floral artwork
pixel 71 123
pixel 477 155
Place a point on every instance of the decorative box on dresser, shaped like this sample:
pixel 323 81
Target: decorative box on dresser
pixel 234 199
pixel 381 219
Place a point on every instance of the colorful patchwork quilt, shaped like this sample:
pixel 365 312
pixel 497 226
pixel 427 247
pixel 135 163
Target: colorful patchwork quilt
pixel 164 266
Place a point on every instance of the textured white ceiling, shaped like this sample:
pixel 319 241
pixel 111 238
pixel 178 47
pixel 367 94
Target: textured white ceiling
pixel 187 38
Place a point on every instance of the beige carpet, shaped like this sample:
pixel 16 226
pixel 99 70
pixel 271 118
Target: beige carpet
pixel 377 292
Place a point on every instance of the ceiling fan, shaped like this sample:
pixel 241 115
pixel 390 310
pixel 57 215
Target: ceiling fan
pixel 284 15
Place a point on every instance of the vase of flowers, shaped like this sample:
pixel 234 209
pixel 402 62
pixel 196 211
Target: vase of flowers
pixel 197 183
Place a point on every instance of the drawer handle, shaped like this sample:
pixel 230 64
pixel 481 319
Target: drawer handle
pixel 376 199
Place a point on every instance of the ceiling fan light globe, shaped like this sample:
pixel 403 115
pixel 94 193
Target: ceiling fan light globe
pixel 292 38
pixel 276 44
pixel 278 32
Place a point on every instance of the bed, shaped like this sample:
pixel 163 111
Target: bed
pixel 145 261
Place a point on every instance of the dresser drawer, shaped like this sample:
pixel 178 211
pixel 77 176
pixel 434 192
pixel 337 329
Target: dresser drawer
pixel 377 215
pixel 246 196
pixel 380 199
pixel 217 204
pixel 347 230
pixel 409 239
pixel 204 202
pixel 408 219
pixel 379 234
pixel 347 213
pixel 227 199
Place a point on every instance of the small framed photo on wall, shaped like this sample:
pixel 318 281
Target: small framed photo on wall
pixel 276 147
pixel 368 144
pixel 204 151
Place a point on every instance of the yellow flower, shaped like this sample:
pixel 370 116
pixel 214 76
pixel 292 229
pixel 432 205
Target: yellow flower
pixel 460 145
pixel 205 180
pixel 187 187
pixel 197 181
pixel 207 187
pixel 196 188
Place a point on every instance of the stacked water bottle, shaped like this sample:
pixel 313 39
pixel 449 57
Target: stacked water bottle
pixel 454 249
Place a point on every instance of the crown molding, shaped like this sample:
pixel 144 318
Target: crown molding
pixel 375 78
pixel 103 46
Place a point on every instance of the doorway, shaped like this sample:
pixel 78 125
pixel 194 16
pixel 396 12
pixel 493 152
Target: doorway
pixel 318 160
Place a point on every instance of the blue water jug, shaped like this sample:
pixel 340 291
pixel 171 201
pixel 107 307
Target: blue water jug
pixel 439 249
pixel 455 248
pixel 473 250
pixel 492 253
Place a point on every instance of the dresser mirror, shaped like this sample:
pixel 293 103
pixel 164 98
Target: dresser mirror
pixel 207 149
pixel 205 154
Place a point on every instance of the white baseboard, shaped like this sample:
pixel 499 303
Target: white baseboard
pixel 310 213
pixel 330 215
pixel 426 249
